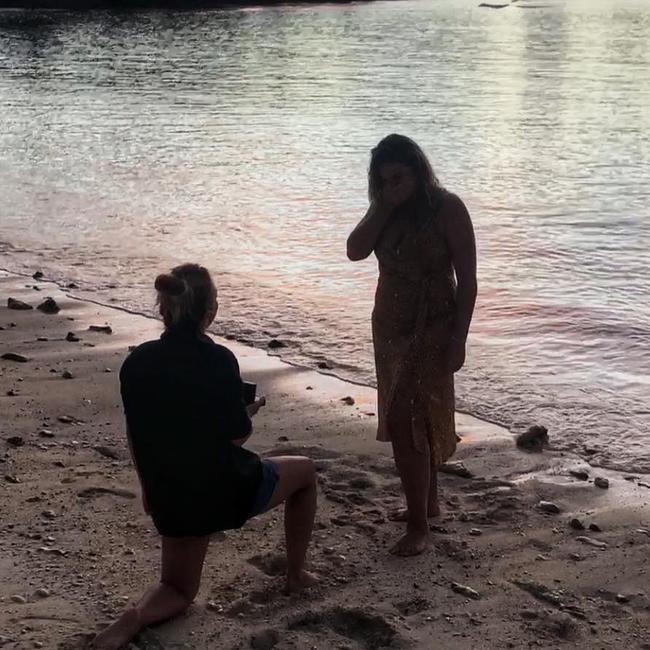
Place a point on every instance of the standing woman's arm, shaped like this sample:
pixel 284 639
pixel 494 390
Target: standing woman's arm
pixel 363 238
pixel 459 233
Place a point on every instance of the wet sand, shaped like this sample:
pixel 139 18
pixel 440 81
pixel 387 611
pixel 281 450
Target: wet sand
pixel 76 546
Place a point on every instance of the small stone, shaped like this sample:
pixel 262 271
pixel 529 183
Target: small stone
pixel 72 337
pixel 104 329
pixel 601 483
pixel 38 275
pixel 46 433
pixel 590 541
pixel 107 452
pixel 324 365
pixel 48 514
pixel 16 598
pixel 67 375
pixel 265 639
pixel 16 441
pixel 549 507
pixel 595 528
pixel 283 439
pixel 51 551
pixel 42 339
pixel 14 356
pixel 66 419
pixel 576 557
pixel 10 478
pixel 49 306
pixel 39 644
pixel 214 607
pixel 18 305
pixel 71 285
pixel 42 592
pixel 464 590
pixel 475 532
pixel 580 474
pixel 275 344
pixel 576 524
pixel 12 393
pixel 455 469
pixel 107 370
pixel 348 400
pixel 621 598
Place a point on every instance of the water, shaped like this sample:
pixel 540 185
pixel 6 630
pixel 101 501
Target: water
pixel 240 139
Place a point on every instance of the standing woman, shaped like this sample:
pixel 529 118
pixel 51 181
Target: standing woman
pixel 423 238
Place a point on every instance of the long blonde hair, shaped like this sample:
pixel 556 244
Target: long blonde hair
pixel 186 297
pixel 394 149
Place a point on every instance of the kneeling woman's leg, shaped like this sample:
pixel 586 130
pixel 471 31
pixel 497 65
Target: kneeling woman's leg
pixel 296 487
pixel 182 564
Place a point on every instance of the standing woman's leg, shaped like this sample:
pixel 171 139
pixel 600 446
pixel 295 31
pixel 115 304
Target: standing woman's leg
pixel 296 488
pixel 414 468
pixel 182 564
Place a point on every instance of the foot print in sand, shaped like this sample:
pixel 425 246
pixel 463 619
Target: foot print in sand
pixel 370 631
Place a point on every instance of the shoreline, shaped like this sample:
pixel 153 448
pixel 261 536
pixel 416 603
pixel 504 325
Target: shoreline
pixel 76 546
pixel 234 340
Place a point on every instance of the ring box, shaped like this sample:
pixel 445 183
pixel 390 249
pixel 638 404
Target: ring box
pixel 249 392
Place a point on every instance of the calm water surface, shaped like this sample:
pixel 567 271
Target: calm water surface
pixel 240 139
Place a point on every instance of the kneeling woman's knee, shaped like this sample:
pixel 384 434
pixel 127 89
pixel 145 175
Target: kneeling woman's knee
pixel 309 469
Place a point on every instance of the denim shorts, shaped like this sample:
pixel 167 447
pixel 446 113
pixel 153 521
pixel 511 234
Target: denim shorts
pixel 265 491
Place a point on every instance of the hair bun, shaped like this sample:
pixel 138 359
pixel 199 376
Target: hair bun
pixel 169 284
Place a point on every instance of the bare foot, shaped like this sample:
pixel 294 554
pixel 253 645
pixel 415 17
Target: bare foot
pixel 413 543
pixel 119 633
pixel 300 583
pixel 402 514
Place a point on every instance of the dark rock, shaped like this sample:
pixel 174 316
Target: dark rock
pixel 324 365
pixel 475 532
pixel 72 285
pixel 14 356
pixel 621 598
pixel 67 419
pixel 601 482
pixel 12 393
pixel 18 305
pixel 49 306
pixel 265 639
pixel 348 400
pixel 274 344
pixel 16 441
pixel 72 337
pixel 549 507
pixel 38 275
pixel 48 514
pixel 580 474
pixel 535 439
pixel 42 339
pixel 10 478
pixel 104 329
pixel 283 439
pixel 595 528
pixel 67 375
pixel 576 524
pixel 46 433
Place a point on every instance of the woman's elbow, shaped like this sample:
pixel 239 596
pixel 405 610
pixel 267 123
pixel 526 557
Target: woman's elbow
pixel 354 254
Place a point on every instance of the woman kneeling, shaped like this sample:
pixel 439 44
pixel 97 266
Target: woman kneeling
pixel 186 425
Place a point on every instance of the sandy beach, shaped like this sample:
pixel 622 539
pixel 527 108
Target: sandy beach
pixel 76 546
